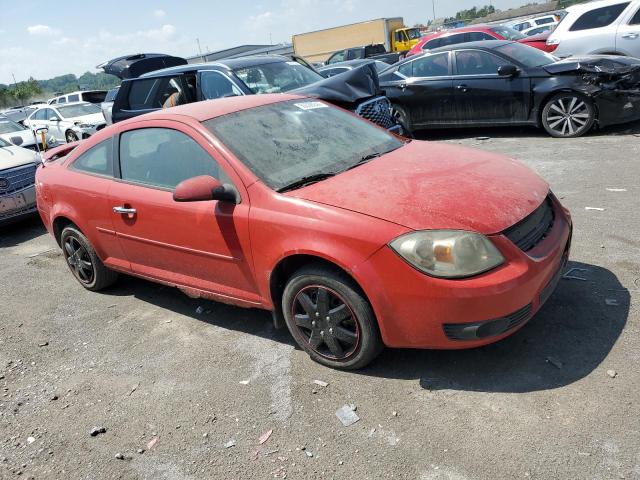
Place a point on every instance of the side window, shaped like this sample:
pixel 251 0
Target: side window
pixel 162 157
pixel 40 115
pixel 406 69
pixel 544 20
pixel 336 57
pixel 599 17
pixel 430 45
pixel 432 66
pixel 636 18
pixel 73 98
pixel 55 100
pixel 62 100
pixel 216 85
pixel 49 114
pixel 140 93
pixel 452 39
pixel 97 159
pixel 356 53
pixel 475 62
pixel 478 36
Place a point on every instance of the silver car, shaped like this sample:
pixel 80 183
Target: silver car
pixel 17 182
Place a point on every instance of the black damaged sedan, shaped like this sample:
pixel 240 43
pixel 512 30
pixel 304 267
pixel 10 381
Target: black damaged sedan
pixel 494 83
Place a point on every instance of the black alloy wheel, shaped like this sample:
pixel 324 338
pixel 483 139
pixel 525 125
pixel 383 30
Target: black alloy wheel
pixel 71 136
pixel 568 115
pixel 83 260
pixel 79 260
pixel 330 318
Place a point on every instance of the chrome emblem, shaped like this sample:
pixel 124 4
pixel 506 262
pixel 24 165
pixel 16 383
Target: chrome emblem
pixel 4 184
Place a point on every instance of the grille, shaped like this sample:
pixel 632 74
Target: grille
pixel 527 233
pixel 378 111
pixel 14 179
pixel 489 328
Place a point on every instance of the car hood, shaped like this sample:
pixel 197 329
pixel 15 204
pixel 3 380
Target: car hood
pixel 348 87
pixel 91 119
pixel 426 185
pixel 25 135
pixel 605 64
pixel 13 156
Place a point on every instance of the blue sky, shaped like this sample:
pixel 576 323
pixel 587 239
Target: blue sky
pixel 44 39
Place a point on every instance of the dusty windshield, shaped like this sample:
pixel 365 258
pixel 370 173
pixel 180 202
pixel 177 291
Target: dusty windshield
pixel 8 126
pixel 296 139
pixel 528 56
pixel 277 77
pixel 70 111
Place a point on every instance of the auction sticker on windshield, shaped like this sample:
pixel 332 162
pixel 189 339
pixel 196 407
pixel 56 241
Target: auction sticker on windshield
pixel 310 105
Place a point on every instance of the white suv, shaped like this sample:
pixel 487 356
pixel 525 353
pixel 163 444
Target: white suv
pixel 600 27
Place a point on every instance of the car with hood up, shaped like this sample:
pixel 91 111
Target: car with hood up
pixel 357 90
pixel 17 182
pixel 353 237
pixel 18 134
pixel 494 83
pixel 69 122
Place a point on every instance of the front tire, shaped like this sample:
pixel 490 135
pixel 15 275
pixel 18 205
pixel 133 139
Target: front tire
pixel 402 117
pixel 330 318
pixel 568 115
pixel 84 262
pixel 70 136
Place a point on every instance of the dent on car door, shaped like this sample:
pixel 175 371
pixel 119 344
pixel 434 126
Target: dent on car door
pixel 482 95
pixel 424 88
pixel 202 245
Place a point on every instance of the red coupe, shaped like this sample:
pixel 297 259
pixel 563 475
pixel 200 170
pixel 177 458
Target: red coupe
pixel 353 237
pixel 477 33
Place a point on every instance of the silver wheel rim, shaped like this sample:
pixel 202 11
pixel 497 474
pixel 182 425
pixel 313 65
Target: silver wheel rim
pixel 568 116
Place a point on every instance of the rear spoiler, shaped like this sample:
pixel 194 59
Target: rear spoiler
pixel 59 152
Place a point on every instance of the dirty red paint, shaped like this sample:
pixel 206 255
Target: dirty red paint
pixel 228 252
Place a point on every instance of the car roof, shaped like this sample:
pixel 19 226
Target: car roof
pixel 209 109
pixel 228 63
pixel 585 7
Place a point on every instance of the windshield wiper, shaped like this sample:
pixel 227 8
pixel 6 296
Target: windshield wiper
pixel 366 159
pixel 307 180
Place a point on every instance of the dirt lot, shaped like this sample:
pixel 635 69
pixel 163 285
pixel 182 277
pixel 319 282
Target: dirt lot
pixel 559 399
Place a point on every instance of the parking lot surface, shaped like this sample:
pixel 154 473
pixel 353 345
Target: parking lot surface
pixel 187 389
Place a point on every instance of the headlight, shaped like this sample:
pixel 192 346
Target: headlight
pixel 85 125
pixel 448 253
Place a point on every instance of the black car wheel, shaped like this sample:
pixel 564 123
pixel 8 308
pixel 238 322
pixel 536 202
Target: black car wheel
pixel 400 115
pixel 568 115
pixel 330 319
pixel 84 262
pixel 71 136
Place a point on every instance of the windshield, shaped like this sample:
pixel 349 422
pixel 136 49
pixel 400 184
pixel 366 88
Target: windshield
pixel 528 56
pixel 413 33
pixel 277 77
pixel 299 138
pixel 4 143
pixel 70 111
pixel 508 33
pixel 8 126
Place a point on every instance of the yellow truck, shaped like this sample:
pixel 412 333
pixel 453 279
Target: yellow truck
pixel 391 32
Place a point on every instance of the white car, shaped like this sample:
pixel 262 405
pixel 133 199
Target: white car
pixel 17 182
pixel 22 136
pixel 530 32
pixel 91 96
pixel 68 123
pixel 600 27
pixel 531 23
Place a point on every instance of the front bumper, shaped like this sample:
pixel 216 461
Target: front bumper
pixel 17 205
pixel 85 132
pixel 418 311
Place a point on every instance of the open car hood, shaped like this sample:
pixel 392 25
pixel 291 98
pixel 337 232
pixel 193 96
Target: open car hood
pixel 606 64
pixel 132 66
pixel 348 87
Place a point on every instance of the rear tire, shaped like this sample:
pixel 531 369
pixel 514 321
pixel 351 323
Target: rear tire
pixel 83 261
pixel 330 318
pixel 568 115
pixel 70 136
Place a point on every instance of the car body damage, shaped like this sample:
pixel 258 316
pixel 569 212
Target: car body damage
pixel 346 88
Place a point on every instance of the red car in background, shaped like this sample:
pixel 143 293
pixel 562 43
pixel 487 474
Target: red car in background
pixel 352 237
pixel 475 33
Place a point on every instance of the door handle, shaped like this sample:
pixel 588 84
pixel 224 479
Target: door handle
pixel 123 210
pixel 463 88
pixel 631 35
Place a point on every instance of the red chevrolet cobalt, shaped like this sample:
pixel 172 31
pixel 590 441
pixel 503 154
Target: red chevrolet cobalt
pixel 351 236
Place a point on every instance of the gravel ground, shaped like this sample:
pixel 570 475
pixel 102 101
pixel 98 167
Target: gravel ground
pixel 172 380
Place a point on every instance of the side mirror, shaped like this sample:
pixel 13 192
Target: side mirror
pixel 16 140
pixel 54 119
pixel 204 188
pixel 508 70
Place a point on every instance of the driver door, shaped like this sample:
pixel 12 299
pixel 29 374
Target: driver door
pixel 55 127
pixel 202 245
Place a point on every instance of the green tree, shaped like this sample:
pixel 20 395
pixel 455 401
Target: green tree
pixel 26 90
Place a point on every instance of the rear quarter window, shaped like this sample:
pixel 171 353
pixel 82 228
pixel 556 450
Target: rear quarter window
pixel 97 160
pixel 599 17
